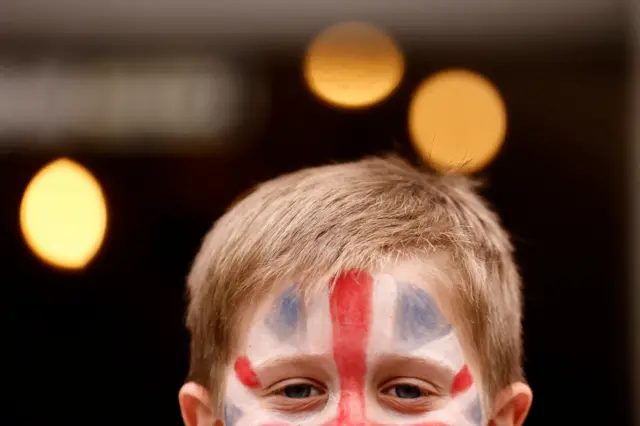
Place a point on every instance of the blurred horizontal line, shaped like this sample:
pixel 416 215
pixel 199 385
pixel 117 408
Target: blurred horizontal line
pixel 260 23
pixel 119 98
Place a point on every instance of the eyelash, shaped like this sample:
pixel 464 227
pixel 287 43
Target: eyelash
pixel 425 391
pixel 388 390
pixel 427 399
pixel 281 388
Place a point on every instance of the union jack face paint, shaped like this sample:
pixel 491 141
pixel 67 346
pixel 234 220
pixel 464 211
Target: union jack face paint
pixel 373 350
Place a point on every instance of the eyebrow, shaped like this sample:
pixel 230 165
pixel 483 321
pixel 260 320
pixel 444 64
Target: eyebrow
pixel 317 364
pixel 427 369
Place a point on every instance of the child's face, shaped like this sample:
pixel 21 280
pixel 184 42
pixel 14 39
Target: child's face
pixel 376 351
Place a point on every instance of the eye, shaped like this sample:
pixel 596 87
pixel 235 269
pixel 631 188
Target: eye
pixel 405 391
pixel 297 389
pixel 297 396
pixel 410 396
pixel 408 389
pixel 300 391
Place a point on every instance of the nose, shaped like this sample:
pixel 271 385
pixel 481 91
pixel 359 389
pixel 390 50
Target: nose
pixel 355 422
pixel 351 410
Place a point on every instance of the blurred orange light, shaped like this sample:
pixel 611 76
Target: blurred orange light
pixel 457 120
pixel 63 215
pixel 353 65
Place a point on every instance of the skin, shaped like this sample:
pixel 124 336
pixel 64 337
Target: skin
pixel 376 350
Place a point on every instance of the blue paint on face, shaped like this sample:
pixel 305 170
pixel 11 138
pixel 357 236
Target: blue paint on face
pixel 231 414
pixel 287 316
pixel 418 319
pixel 475 412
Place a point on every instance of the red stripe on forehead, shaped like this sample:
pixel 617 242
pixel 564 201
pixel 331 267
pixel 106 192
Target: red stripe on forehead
pixel 350 306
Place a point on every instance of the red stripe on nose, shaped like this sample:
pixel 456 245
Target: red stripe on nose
pixel 350 306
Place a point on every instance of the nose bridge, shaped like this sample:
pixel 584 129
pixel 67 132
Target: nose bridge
pixel 351 410
pixel 352 402
pixel 354 423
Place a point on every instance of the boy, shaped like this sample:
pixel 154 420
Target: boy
pixel 368 294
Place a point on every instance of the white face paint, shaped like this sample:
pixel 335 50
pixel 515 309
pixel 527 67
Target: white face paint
pixel 375 351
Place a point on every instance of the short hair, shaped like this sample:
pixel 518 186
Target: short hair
pixel 315 223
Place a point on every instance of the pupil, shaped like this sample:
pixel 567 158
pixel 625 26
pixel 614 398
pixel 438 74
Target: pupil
pixel 297 391
pixel 408 391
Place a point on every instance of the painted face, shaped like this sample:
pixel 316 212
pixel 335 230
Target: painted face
pixel 374 351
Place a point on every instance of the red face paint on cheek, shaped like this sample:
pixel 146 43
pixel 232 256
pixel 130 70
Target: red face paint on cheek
pixel 245 373
pixel 462 381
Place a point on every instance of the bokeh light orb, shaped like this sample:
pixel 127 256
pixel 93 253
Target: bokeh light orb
pixel 353 65
pixel 63 215
pixel 457 121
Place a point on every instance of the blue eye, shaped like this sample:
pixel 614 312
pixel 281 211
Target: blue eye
pixel 406 391
pixel 300 391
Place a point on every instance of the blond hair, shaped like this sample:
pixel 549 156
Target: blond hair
pixel 317 222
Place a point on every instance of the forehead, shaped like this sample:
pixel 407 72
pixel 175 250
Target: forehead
pixel 395 308
pixel 359 329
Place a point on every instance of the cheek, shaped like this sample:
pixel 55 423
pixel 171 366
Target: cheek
pixel 239 397
pixel 463 410
pixel 467 408
pixel 474 412
pixel 241 406
pixel 465 400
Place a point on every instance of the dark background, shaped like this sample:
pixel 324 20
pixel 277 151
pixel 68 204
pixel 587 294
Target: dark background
pixel 107 345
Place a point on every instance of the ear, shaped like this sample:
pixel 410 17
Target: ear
pixel 195 406
pixel 512 405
